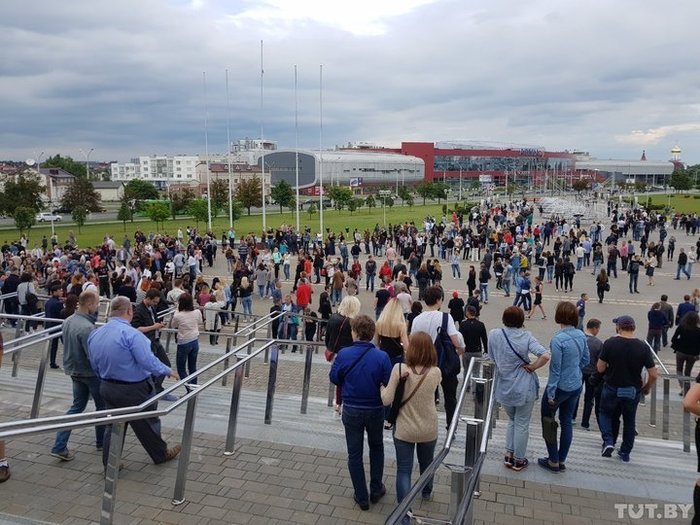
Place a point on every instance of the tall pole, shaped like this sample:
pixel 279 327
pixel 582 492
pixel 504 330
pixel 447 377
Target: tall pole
pixel 296 147
pixel 262 140
pixel 228 155
pixel 87 161
pixel 206 148
pixel 460 184
pixel 320 148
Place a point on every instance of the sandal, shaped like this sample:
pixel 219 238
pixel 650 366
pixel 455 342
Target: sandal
pixel 508 461
pixel 520 464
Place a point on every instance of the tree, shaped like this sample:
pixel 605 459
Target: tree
pixel 219 195
pixel 24 218
pixel 404 194
pixel 389 201
pixel 410 202
pixel 24 191
pixel 580 185
pixel 125 213
pixel 283 194
pixel 425 190
pixel 371 203
pixel 81 193
pixel 340 195
pixel 312 209
pixel 158 212
pixel 680 180
pixel 249 193
pixel 79 213
pixel 198 210
pixel 438 190
pixel 180 200
pixel 354 204
pixel 140 190
pixel 73 167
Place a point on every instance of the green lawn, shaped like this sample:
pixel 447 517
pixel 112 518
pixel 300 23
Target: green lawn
pixel 680 203
pixel 93 234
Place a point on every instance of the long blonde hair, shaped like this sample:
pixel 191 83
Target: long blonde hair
pixel 391 322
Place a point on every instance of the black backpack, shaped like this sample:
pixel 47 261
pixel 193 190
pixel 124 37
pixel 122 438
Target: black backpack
pixel 448 360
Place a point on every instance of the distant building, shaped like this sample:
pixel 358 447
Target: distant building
pixel 160 170
pixel 110 191
pixel 56 182
pixel 649 172
pixel 219 170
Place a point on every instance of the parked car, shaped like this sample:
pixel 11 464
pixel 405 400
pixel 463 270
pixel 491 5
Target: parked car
pixel 47 217
pixel 58 211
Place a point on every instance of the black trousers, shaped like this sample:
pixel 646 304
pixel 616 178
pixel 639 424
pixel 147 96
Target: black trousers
pixel 147 430
pixel 449 393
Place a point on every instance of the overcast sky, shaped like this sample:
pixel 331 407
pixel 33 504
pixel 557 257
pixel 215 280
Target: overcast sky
pixel 125 77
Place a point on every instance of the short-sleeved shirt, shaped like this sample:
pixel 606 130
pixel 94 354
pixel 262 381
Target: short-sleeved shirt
pixel 383 295
pixel 429 322
pixel 625 358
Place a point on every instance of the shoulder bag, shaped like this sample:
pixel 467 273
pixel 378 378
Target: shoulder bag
pixel 398 401
pixel 330 352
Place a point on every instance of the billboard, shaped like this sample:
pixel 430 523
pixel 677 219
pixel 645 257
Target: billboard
pixel 355 182
pixel 485 179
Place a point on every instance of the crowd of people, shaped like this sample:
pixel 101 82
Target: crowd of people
pixel 410 347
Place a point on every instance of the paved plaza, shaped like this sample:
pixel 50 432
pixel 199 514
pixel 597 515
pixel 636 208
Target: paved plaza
pixel 293 471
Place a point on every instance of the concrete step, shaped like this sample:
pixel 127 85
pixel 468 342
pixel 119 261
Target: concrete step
pixel 659 469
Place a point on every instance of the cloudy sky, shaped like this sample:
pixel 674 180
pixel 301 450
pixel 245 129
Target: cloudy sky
pixel 126 77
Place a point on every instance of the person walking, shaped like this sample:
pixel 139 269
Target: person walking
pixel 75 332
pixel 685 345
pixel 517 386
pixel 621 361
pixel 602 285
pixel 52 309
pixel 121 357
pixel 667 310
pixel 187 321
pixel 538 299
pixel 339 334
pixel 657 323
pixel 484 277
pixel 681 264
pixel 633 272
pixel 416 426
pixel 592 380
pixel 475 337
pixel 569 356
pixel 360 370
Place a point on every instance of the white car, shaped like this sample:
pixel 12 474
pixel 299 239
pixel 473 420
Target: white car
pixel 50 217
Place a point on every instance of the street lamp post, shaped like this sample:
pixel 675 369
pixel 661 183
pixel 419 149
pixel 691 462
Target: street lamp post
pixel 87 161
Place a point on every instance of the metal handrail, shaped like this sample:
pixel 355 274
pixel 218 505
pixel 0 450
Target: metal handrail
pixel 657 358
pixel 400 510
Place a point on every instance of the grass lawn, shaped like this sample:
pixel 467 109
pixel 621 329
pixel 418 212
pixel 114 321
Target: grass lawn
pixel 92 234
pixel 680 203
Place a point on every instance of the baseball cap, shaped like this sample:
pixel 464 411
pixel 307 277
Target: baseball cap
pixel 625 322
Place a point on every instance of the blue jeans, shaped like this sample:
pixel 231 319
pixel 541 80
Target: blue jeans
pixel 186 359
pixel 404 465
pixel 484 291
pixel 261 290
pixel 83 389
pixel 566 405
pixel 579 263
pixel 456 271
pixel 611 408
pixel 357 421
pixel 506 286
pixel 518 429
pixel 682 268
pixel 285 267
pixel 369 284
pixel 247 305
pixel 550 273
pixel 634 277
pixel 336 295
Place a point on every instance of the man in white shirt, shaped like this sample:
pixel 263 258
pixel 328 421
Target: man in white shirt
pixel 176 292
pixel 430 322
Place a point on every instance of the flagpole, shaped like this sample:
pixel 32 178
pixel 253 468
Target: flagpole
pixel 320 150
pixel 228 155
pixel 296 145
pixel 262 142
pixel 206 148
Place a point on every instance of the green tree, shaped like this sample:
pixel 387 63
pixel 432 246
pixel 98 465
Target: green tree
pixel 340 195
pixel 283 194
pixel 180 200
pixel 354 204
pixel 580 185
pixel 425 190
pixel 158 212
pixel 370 202
pixel 125 213
pixel 249 193
pixel 198 210
pixel 138 190
pixel 81 193
pixel 25 191
pixel 219 196
pixel 680 180
pixel 68 164
pixel 311 209
pixel 389 201
pixel 404 194
pixel 24 218
pixel 438 190
pixel 79 213
pixel 410 201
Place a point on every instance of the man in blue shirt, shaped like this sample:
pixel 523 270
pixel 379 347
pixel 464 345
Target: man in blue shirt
pixel 52 309
pixel 360 370
pixel 121 357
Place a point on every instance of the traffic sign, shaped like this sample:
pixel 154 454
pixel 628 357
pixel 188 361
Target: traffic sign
pixel 385 193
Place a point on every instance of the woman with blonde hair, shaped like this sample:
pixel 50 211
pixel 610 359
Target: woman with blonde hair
pixel 245 291
pixel 339 334
pixel 416 425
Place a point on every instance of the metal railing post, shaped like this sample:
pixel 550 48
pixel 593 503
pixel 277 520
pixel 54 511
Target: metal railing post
pixel 652 407
pixel 480 397
pixel 224 380
pixel 251 336
pixel 331 394
pixel 109 497
pixel 17 355
pixel 307 379
pixel 686 420
pixel 666 408
pixel 233 410
pixel 271 383
pixel 473 429
pixel 40 379
pixel 458 485
pixel 184 460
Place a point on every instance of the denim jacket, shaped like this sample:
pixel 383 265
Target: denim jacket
pixel 570 355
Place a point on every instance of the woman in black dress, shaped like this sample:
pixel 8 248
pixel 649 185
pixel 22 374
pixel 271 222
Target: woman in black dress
pixel 471 280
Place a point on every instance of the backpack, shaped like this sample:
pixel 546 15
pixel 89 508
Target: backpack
pixel 448 360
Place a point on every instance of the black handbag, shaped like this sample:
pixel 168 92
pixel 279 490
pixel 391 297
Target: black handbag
pixel 398 398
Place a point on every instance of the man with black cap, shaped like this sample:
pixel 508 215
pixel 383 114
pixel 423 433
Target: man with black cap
pixel 621 361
